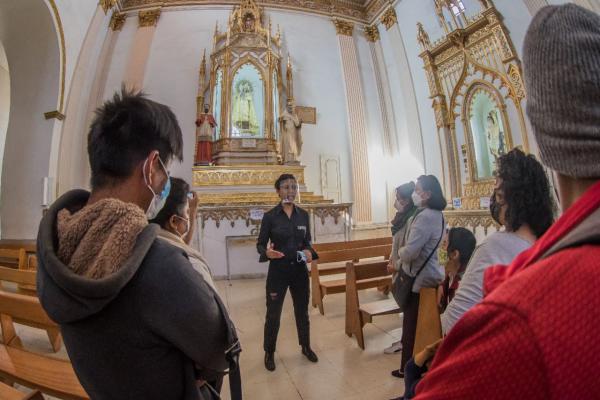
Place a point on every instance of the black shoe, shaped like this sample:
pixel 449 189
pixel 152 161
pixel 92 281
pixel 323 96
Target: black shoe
pixel 307 351
pixel 270 361
pixel 397 373
pixel 398 398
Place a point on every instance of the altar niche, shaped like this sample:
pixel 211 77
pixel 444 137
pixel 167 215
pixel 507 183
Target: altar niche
pixel 486 130
pixel 245 90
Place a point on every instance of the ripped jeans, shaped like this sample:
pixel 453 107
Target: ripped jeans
pixel 284 274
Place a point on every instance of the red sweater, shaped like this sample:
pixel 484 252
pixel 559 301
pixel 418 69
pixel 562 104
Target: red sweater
pixel 536 335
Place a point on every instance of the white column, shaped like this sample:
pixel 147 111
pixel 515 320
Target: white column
pixel 390 144
pixel 410 129
pixel 361 210
pixel 138 58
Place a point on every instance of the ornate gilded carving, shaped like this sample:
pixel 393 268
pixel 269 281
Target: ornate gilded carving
pixel 54 114
pixel 247 198
pixel 343 27
pixel 473 219
pixel 363 11
pixel 518 87
pixel 372 33
pixel 107 5
pixel 117 20
pixel 423 37
pixel 350 9
pixel 389 18
pixel 475 52
pixel 233 213
pixel 334 211
pixel 148 17
pixel 243 175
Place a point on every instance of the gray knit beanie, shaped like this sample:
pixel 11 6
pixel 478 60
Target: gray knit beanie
pixel 561 58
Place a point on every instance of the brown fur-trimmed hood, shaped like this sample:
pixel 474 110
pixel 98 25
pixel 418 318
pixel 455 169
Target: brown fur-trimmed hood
pixel 95 241
pixel 88 254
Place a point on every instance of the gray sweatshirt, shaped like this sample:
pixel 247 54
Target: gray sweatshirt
pixel 498 248
pixel 423 234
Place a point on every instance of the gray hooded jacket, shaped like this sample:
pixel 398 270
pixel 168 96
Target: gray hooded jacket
pixel 138 332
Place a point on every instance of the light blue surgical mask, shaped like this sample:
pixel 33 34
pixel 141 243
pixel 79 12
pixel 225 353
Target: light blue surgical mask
pixel 158 199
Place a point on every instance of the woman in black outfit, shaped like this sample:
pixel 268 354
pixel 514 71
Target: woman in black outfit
pixel 287 228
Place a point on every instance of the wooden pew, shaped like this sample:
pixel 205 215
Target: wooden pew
pixel 37 371
pixel 333 246
pixel 360 277
pixel 15 258
pixel 10 393
pixel 429 326
pixel 335 259
pixel 26 279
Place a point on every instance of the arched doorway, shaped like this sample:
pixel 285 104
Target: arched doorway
pixel 33 59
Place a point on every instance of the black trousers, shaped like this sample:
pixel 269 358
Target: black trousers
pixel 281 275
pixel 409 328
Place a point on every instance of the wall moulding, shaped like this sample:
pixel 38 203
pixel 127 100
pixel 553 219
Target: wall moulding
pixel 372 33
pixel 117 20
pixel 148 17
pixel 389 18
pixel 361 11
pixel 343 27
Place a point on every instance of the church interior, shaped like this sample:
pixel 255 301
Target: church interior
pixel 352 97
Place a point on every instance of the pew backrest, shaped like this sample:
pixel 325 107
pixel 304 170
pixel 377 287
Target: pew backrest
pixel 18 276
pixel 16 258
pixel 333 246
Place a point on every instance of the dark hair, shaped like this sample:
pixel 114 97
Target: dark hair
pixel 283 177
pixel 124 131
pixel 405 191
pixel 429 183
pixel 526 192
pixel 175 204
pixel 463 240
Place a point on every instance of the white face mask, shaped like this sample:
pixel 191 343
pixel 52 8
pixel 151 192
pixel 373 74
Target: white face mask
pixel 398 206
pixel 416 199
pixel 187 226
pixel 158 200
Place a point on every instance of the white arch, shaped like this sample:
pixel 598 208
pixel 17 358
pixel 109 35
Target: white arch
pixel 33 57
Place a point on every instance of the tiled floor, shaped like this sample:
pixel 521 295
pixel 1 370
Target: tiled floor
pixel 344 371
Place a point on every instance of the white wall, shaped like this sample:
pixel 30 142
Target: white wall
pixel 75 17
pixel 4 101
pixel 172 76
pixel 33 60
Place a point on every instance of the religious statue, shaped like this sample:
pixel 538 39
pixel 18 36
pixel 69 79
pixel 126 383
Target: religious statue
pixel 245 121
pixel 249 23
pixel 205 130
pixel 291 136
pixel 495 138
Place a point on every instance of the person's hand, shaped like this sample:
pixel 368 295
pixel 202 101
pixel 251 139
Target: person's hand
pixel 390 268
pixel 193 203
pixel 427 353
pixel 308 255
pixel 273 254
pixel 433 347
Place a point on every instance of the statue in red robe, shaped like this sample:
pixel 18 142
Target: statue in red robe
pixel 205 130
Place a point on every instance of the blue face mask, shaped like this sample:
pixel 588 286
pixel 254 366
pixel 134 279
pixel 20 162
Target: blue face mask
pixel 158 201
